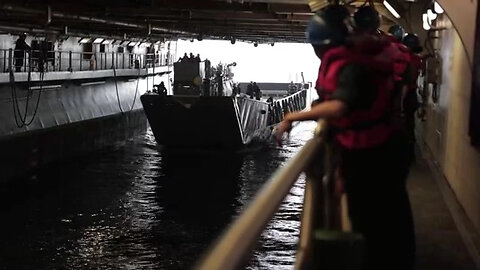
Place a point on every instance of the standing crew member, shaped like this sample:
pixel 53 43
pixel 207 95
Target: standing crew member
pixel 367 21
pixel 250 90
pixel 402 58
pixel 256 91
pixel 355 81
pixel 410 102
pixel 19 54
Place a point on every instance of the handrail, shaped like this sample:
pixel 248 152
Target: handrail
pixel 236 244
pixel 62 60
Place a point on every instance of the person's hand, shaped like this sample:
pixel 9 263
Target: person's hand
pixel 284 126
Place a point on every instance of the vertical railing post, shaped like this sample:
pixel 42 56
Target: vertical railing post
pixel 4 60
pixel 113 60
pixel 46 63
pixel 123 60
pixel 59 61
pixel 81 61
pixel 29 61
pixel 24 61
pixel 70 61
pixel 10 54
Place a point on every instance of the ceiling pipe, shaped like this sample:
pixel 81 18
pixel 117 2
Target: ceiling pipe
pixel 60 32
pixel 28 30
pixel 57 14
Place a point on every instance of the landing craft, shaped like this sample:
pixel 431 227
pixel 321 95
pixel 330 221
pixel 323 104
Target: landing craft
pixel 206 111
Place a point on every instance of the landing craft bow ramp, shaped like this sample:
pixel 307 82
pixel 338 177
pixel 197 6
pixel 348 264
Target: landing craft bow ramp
pixel 262 21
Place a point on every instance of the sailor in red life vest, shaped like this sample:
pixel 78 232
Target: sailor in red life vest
pixel 402 56
pixel 400 53
pixel 356 82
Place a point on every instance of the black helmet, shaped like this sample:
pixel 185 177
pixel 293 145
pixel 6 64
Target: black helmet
pixel 328 26
pixel 397 31
pixel 411 41
pixel 367 18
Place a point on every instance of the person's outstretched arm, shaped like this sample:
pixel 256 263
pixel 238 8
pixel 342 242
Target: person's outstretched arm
pixel 328 110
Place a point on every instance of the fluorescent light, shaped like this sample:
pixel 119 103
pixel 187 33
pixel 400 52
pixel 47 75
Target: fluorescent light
pixel 437 8
pixel 431 15
pixel 37 87
pixel 84 40
pixel 426 22
pixel 98 40
pixel 108 41
pixel 391 9
pixel 92 83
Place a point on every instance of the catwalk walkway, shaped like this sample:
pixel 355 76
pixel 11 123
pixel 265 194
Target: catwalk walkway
pixel 445 240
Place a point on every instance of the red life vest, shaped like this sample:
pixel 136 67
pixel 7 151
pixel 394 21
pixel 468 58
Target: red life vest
pixel 416 67
pixel 361 128
pixel 400 55
pixel 401 58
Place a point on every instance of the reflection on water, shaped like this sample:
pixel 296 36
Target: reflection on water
pixel 134 207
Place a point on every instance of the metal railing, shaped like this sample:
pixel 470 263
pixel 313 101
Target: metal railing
pixel 321 209
pixel 47 61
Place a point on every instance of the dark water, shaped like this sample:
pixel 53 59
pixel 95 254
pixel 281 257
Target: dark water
pixel 134 207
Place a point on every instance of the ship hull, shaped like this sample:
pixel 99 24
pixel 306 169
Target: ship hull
pixel 71 119
pixel 26 152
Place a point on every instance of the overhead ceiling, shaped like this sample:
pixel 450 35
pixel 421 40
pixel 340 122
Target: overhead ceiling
pixel 249 20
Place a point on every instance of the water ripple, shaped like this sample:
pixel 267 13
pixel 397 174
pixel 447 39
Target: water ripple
pixel 134 207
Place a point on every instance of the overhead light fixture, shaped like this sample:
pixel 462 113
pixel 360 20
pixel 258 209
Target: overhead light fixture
pixel 437 8
pixel 426 22
pixel 391 9
pixel 431 15
pixel 84 40
pixel 43 87
pixel 108 41
pixel 132 43
pixel 92 83
pixel 98 40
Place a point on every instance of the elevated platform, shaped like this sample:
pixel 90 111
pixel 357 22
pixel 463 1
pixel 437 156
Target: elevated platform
pixel 90 74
